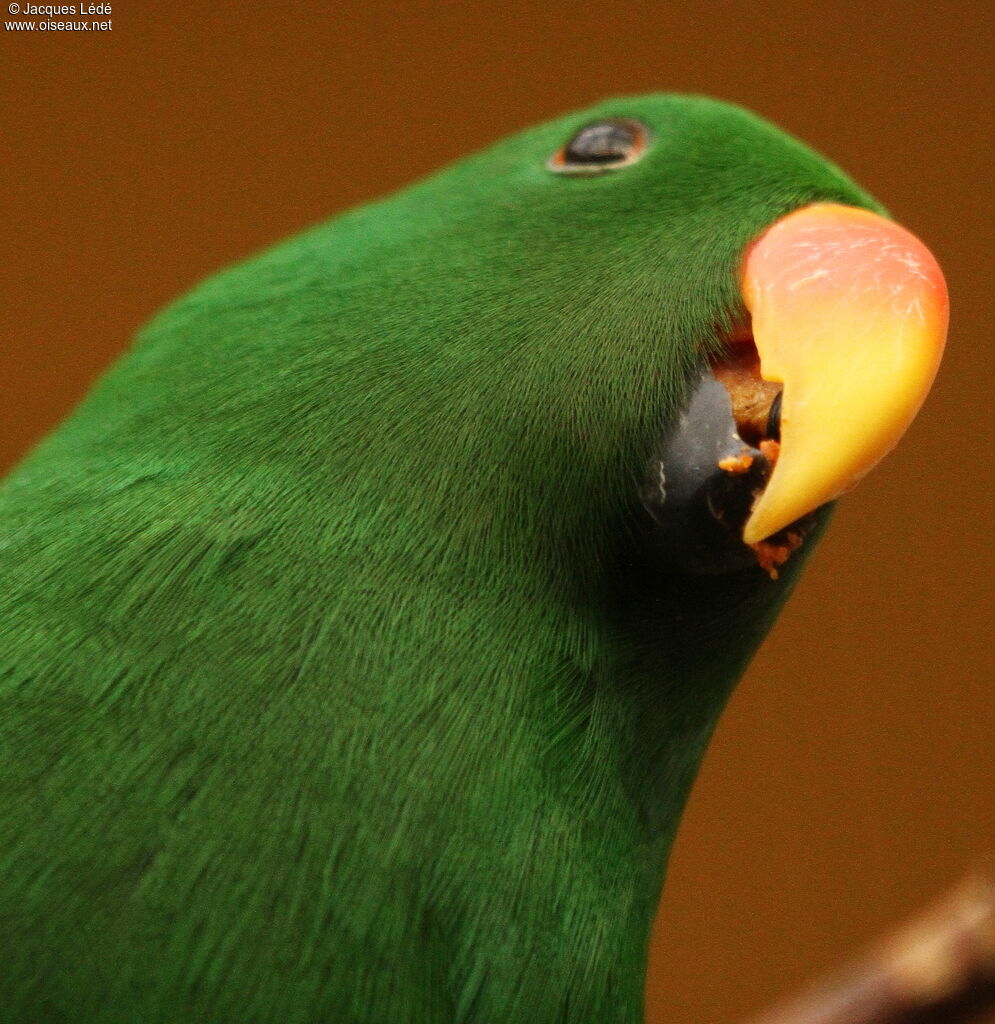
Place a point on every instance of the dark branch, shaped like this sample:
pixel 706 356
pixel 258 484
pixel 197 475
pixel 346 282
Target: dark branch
pixel 938 968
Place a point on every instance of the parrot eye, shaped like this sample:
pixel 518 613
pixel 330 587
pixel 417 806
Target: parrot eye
pixel 601 146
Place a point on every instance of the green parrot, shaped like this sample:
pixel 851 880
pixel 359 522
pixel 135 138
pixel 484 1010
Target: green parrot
pixel 364 628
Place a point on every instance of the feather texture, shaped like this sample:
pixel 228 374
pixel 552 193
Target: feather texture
pixel 336 684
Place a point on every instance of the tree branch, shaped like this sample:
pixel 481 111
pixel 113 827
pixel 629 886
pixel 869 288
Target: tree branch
pixel 938 968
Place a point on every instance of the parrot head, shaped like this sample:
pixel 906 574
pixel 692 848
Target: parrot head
pixel 643 348
pixel 700 245
pixel 370 619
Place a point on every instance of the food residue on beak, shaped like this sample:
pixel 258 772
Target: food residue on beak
pixel 753 400
pixel 736 463
pixel 771 554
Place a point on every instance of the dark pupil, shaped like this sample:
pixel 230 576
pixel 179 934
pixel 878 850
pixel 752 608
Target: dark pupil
pixel 601 143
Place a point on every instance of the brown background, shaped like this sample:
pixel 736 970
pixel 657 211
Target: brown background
pixel 853 774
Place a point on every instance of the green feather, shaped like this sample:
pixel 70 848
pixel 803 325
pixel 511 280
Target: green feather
pixel 336 684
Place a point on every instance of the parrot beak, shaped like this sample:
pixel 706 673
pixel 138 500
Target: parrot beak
pixel 849 314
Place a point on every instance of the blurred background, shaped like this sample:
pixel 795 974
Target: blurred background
pixel 853 775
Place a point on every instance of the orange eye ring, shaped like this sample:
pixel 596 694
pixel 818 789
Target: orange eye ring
pixel 601 146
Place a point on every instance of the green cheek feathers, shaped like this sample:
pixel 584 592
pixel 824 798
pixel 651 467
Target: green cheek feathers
pixel 342 675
